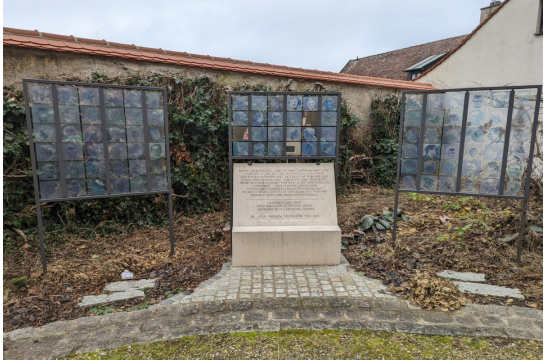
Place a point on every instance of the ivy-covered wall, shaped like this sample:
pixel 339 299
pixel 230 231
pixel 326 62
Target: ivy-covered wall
pixel 199 159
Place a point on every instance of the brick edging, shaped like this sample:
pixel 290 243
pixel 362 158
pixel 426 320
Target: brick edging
pixel 164 322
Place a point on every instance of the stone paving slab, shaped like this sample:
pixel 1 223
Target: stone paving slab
pixel 91 300
pixel 367 307
pixel 484 289
pixel 129 285
pixel 462 276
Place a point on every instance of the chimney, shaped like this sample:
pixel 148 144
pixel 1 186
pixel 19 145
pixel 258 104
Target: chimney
pixel 488 10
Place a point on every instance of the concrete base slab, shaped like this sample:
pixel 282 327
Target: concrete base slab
pixel 109 298
pixel 462 276
pixel 129 285
pixel 483 289
pixel 286 245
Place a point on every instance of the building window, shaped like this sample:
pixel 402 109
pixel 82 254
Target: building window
pixel 415 75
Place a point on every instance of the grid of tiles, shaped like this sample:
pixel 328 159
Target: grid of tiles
pixel 274 125
pixel 490 136
pixel 97 141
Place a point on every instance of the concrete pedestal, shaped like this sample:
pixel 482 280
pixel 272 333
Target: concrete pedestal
pixel 286 245
pixel 285 214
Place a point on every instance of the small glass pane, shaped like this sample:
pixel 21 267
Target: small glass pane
pixel 309 149
pixel 74 169
pixel 136 117
pixel 45 133
pixel 470 185
pixel 94 151
pixel 71 133
pixel 240 149
pixel 119 168
pixel 43 114
pixel 432 151
pixel 116 134
pixel 115 116
pixel 413 102
pixel 435 102
pixel 293 148
pixel 293 134
pixel 240 118
pixel 259 103
pixel 113 97
pixel 240 134
pixel 295 118
pixel 154 99
pixel 67 95
pixel 90 115
pixel 46 152
pixel 120 185
pixel 259 149
pixel 156 134
pixel 159 183
pixel 48 171
pixel 135 134
pixel 329 103
pixel 40 94
pixel 447 183
pixel 259 118
pixel 95 169
pixel 92 133
pixel 328 134
pixel 310 103
pixel 50 190
pixel 409 166
pixel 157 151
pixel 137 167
pixel 489 186
pixel 276 134
pixel 117 150
pixel 135 151
pixel 329 119
pixel 72 151
pixel 295 103
pixel 276 103
pixel 309 134
pixel 455 101
pixel 133 98
pixel 408 182
pixel 275 149
pixel 76 188
pixel 499 99
pixel 259 134
pixel 96 187
pixel 88 96
pixel 277 119
pixel 409 151
pixel 155 117
pixel 525 98
pixel 240 102
pixel 69 115
pixel 428 183
pixel 327 148
pixel 158 166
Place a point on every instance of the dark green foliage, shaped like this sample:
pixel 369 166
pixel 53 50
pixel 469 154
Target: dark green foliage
pixel 385 114
pixel 199 165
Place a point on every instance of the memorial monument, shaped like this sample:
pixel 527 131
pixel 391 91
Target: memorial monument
pixel 284 213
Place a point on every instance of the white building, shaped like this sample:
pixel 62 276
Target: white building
pixel 505 49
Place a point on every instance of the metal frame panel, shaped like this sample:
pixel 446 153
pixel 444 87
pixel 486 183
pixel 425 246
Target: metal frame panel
pixel 251 158
pixel 61 159
pixel 501 185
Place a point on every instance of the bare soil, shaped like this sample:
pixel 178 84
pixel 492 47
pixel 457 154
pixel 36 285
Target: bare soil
pixel 80 267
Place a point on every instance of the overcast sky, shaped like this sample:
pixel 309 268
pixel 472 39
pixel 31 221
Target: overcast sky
pixel 315 34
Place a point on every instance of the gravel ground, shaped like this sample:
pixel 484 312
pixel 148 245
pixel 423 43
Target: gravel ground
pixel 333 344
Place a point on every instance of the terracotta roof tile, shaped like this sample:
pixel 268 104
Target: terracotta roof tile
pixel 123 46
pixel 22 32
pixel 464 41
pixel 142 48
pixel 58 37
pixel 15 37
pixel 178 53
pixel 92 41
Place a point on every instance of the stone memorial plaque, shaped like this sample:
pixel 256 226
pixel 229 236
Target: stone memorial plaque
pixel 285 214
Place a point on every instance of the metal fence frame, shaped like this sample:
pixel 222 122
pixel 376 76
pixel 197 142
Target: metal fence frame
pixel 461 151
pixel 106 155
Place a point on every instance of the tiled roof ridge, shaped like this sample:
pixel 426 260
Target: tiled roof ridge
pixel 405 48
pixel 463 42
pixel 63 43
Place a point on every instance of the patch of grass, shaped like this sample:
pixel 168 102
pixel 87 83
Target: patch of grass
pixel 101 309
pixel 329 344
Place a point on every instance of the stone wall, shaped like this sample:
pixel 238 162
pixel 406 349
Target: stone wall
pixel 21 63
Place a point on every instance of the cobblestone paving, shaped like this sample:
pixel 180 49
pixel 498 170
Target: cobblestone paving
pixel 233 283
pixel 259 299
